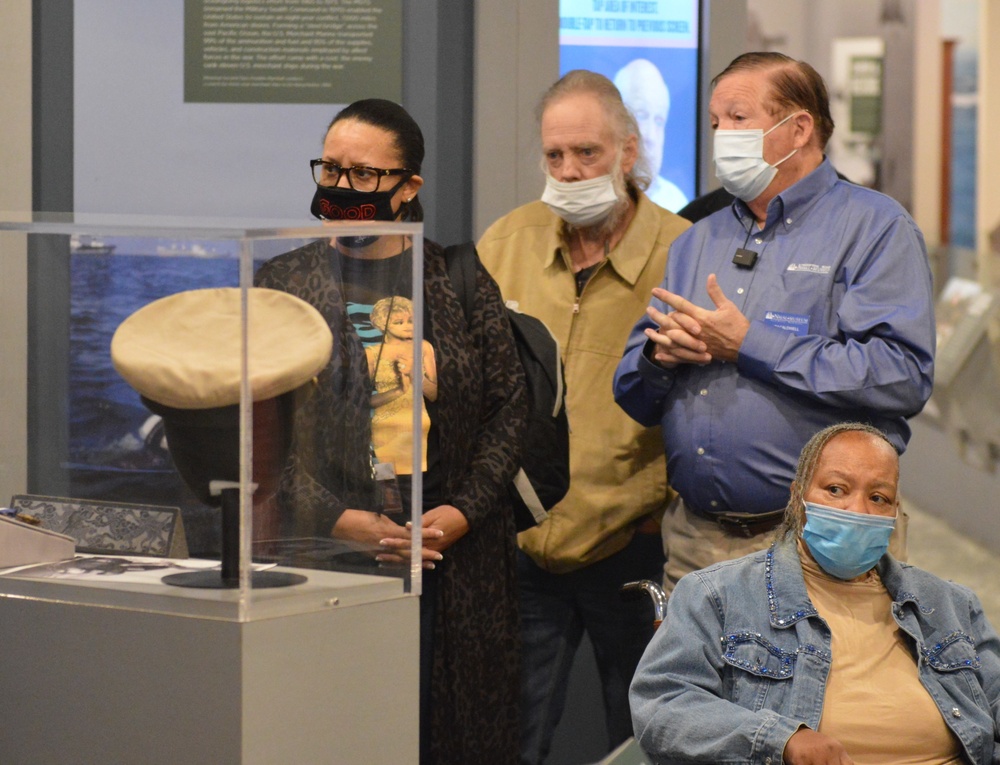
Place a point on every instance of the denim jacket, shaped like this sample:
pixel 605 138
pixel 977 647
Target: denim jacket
pixel 742 658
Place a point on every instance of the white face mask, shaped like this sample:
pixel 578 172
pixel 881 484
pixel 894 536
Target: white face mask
pixel 739 161
pixel 581 203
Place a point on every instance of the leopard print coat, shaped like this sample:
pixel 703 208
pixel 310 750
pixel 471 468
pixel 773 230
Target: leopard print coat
pixel 481 415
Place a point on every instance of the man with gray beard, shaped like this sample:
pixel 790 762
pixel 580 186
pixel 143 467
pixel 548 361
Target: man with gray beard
pixel 584 259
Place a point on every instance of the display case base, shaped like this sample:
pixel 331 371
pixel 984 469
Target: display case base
pixel 91 683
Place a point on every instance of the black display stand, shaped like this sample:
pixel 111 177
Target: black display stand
pixel 228 577
pixel 204 445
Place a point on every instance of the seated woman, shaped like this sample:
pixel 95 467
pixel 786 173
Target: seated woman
pixel 824 648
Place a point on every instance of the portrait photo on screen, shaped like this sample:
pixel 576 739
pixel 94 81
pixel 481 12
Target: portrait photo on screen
pixel 660 86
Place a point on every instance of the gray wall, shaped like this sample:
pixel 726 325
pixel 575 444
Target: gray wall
pixel 938 481
pixel 438 53
pixel 137 147
pixel 47 277
pixel 15 194
pixel 517 58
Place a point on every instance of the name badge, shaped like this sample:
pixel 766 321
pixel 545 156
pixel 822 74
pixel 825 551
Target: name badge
pixel 795 323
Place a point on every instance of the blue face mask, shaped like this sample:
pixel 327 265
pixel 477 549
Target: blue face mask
pixel 845 544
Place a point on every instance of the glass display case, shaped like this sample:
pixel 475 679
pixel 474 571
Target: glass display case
pixel 137 445
pixel 193 411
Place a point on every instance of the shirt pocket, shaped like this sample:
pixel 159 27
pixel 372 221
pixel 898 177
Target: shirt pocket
pixel 805 293
pixel 955 666
pixel 955 652
pixel 759 668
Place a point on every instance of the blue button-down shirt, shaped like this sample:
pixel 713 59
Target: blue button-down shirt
pixel 842 328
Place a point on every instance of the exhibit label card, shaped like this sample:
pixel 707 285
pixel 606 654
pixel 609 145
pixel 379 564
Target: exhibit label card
pixel 292 51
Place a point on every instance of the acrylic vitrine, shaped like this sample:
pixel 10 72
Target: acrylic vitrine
pixel 282 607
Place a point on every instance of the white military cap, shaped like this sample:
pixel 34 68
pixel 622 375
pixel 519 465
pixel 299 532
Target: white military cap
pixel 183 350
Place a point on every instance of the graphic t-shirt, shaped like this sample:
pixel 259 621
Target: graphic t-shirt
pixel 378 295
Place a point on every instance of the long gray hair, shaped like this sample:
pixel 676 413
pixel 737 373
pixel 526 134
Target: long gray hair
pixel 622 121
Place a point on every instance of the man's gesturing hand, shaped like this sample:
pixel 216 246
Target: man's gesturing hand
pixel 693 335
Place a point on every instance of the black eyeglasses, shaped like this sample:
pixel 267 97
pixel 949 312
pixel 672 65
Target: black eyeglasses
pixel 360 178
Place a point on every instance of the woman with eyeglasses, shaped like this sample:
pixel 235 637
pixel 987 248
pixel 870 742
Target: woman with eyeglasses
pixel 474 409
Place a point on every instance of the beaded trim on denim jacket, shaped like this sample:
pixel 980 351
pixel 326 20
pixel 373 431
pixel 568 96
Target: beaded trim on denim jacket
pixel 932 654
pixel 786 661
pixel 772 601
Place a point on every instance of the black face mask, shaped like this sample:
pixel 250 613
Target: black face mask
pixel 340 203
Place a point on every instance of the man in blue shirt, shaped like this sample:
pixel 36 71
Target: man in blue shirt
pixel 806 303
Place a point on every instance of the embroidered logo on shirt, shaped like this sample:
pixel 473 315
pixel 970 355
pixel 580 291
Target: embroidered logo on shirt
pixel 795 323
pixel 810 267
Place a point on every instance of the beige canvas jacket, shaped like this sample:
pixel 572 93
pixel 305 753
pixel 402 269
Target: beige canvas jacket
pixel 617 467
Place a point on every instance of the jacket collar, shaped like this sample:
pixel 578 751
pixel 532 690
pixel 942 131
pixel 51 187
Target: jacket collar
pixel 787 599
pixel 633 251
pixel 895 579
pixel 788 207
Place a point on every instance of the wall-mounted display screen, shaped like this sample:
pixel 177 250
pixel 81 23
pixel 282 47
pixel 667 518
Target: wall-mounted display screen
pixel 649 49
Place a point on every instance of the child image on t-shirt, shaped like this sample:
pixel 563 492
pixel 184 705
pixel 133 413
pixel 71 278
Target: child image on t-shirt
pixel 390 365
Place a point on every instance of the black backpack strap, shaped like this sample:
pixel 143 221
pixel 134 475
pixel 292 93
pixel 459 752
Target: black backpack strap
pixel 461 264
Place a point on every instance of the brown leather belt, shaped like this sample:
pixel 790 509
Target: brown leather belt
pixel 747 524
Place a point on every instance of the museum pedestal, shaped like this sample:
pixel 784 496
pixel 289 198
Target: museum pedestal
pixel 326 672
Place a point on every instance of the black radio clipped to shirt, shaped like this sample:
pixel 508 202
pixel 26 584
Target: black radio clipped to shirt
pixel 745 258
